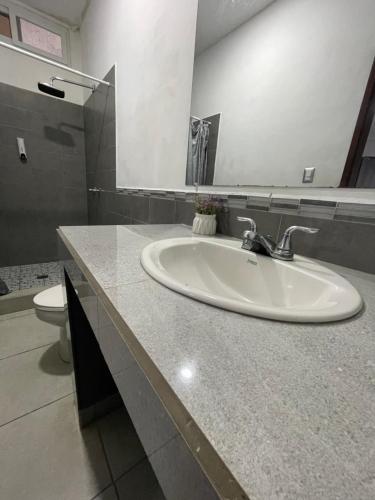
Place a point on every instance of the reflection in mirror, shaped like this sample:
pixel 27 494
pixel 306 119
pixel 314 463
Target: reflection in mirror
pixel 278 90
pixel 202 146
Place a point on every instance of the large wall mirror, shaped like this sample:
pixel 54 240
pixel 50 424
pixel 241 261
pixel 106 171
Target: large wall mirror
pixel 283 94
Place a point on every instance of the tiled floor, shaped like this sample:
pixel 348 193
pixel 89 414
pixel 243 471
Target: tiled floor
pixel 32 275
pixel 43 453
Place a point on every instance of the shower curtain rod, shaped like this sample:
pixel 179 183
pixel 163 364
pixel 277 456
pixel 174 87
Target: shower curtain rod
pixel 200 119
pixel 52 63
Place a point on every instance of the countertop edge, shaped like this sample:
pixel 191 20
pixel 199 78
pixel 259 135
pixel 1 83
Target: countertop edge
pixel 212 465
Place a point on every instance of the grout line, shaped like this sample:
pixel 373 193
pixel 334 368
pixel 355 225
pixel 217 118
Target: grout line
pixel 135 465
pixel 164 444
pixel 36 409
pixel 27 350
pixel 103 491
pixel 107 462
pixel 16 315
pixel 146 457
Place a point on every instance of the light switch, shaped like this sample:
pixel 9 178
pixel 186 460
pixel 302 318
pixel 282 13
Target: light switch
pixel 308 174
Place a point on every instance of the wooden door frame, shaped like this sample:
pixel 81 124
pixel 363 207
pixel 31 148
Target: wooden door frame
pixel 360 135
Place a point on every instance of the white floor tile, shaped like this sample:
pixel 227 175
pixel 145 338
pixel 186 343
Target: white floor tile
pixel 22 331
pixel 44 456
pixel 31 380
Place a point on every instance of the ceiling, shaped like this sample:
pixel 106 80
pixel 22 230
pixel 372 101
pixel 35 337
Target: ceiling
pixel 68 11
pixel 217 18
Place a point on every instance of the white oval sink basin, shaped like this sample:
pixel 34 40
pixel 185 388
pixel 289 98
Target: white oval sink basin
pixel 220 273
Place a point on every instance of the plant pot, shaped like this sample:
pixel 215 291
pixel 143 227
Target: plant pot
pixel 204 224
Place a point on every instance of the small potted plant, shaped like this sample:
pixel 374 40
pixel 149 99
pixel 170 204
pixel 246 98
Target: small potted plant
pixel 205 216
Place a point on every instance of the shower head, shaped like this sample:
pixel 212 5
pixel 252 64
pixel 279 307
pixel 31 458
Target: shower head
pixel 49 89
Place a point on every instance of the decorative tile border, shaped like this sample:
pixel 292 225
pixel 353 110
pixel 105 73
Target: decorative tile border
pixel 284 205
pixel 355 212
pixel 319 209
pixel 306 207
pixel 259 202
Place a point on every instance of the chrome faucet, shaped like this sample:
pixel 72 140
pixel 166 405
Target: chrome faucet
pixel 255 242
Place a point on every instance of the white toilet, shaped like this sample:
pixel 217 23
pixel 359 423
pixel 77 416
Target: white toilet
pixel 50 306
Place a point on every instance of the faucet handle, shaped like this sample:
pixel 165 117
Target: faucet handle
pixel 304 229
pixel 284 247
pixel 252 223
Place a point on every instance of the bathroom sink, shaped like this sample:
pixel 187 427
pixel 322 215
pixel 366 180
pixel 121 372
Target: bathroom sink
pixel 217 271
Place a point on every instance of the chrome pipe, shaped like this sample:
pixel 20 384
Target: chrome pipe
pixel 59 79
pixel 52 63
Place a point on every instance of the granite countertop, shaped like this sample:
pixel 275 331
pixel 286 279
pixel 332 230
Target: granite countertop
pixel 289 408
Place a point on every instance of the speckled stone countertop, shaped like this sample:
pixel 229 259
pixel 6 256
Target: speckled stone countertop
pixel 289 408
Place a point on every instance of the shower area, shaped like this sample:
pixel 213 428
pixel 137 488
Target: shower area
pixel 202 148
pixel 45 142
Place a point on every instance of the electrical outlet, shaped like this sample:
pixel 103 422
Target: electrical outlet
pixel 308 174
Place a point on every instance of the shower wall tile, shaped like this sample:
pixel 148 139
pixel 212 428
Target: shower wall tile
pixel 100 144
pixel 109 134
pixel 16 117
pixel 106 179
pixel 73 170
pixel 4 248
pixel 107 160
pixel 110 111
pixel 73 207
pixel 50 188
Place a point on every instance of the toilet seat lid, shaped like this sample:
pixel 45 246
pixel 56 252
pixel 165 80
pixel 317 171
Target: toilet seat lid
pixel 51 299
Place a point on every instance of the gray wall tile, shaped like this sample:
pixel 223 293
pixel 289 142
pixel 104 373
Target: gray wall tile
pixel 74 171
pixel 4 249
pixel 343 243
pixel 267 223
pixel 162 211
pixel 123 204
pixel 185 212
pixel 15 117
pixel 33 196
pixel 140 208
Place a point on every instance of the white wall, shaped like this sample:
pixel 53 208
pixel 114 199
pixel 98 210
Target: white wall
pixel 289 84
pixel 24 72
pixel 152 43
